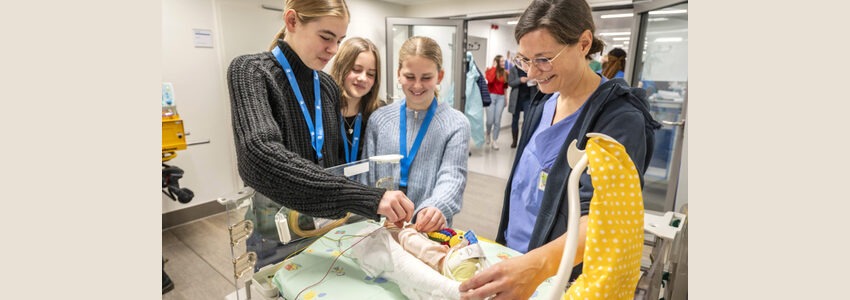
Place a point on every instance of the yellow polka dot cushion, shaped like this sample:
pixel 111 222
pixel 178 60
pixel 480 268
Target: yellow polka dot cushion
pixel 614 243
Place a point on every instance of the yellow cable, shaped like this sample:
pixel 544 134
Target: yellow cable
pixel 293 224
pixel 166 156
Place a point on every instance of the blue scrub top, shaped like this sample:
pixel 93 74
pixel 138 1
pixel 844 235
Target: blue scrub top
pixel 537 159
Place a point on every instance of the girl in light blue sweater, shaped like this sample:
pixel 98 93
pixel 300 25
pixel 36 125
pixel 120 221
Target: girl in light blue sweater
pixel 432 137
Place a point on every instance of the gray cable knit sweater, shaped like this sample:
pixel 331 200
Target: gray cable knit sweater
pixel 273 149
pixel 438 172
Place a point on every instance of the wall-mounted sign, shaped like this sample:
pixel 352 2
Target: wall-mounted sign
pixel 203 38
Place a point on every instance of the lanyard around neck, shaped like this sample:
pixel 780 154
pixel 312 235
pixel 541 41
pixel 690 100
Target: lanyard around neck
pixel 402 142
pixel 351 155
pixel 317 132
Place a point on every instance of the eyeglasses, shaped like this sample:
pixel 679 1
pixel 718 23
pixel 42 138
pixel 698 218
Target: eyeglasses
pixel 543 64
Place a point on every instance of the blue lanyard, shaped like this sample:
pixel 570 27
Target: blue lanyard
pixel 351 155
pixel 316 140
pixel 402 142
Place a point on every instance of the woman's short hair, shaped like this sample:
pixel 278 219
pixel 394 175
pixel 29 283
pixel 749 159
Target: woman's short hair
pixel 566 20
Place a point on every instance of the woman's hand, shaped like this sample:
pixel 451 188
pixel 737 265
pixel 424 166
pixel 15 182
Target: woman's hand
pixel 430 219
pixel 519 277
pixel 514 278
pixel 396 207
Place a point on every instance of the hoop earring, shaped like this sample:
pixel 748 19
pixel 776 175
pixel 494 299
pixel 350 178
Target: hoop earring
pixel 398 85
pixel 439 87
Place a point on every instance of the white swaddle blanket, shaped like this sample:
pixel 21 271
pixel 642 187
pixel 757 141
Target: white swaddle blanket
pixel 378 254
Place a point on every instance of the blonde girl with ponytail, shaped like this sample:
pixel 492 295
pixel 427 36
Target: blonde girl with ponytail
pixel 432 137
pixel 286 125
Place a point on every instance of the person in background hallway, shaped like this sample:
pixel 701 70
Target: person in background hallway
pixel 356 69
pixel 595 65
pixel 555 38
pixel 497 77
pixel 615 64
pixel 508 64
pixel 286 122
pixel 433 137
pixel 521 91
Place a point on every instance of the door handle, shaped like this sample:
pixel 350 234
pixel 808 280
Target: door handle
pixel 671 123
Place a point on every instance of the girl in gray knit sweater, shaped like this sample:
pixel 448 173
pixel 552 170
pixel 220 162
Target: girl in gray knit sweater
pixel 286 121
pixel 432 137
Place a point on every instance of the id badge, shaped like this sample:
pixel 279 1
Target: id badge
pixel 541 181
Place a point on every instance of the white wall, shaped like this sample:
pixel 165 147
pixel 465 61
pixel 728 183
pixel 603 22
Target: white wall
pixel 368 20
pixel 246 28
pixel 249 28
pixel 446 8
pixel 479 54
pixel 201 101
pixel 480 29
pixel 454 7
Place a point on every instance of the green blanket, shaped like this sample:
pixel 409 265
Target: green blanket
pixel 343 279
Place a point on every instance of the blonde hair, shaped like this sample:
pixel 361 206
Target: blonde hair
pixel 307 11
pixel 344 62
pixel 421 46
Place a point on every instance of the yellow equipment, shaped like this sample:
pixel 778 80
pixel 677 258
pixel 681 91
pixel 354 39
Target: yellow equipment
pixel 173 137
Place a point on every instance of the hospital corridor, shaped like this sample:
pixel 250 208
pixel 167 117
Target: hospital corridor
pixel 400 149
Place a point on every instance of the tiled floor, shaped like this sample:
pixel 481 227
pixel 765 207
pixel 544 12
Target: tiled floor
pixel 497 163
pixel 198 259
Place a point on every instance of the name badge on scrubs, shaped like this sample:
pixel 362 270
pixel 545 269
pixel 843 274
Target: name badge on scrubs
pixel 541 182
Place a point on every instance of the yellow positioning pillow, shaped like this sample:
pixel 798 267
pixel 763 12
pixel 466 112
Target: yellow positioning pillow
pixel 614 243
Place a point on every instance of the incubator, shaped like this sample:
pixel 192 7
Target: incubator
pixel 295 256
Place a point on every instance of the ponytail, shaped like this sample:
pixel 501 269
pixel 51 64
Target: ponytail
pixel 595 47
pixel 280 34
pixel 307 11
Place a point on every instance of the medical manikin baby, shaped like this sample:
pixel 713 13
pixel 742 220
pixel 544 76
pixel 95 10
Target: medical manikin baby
pixel 422 268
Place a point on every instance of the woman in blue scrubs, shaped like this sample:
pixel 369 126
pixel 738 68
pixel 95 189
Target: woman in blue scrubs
pixel 555 40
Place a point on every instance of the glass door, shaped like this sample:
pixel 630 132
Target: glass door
pixel 660 67
pixel 614 27
pixel 450 34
